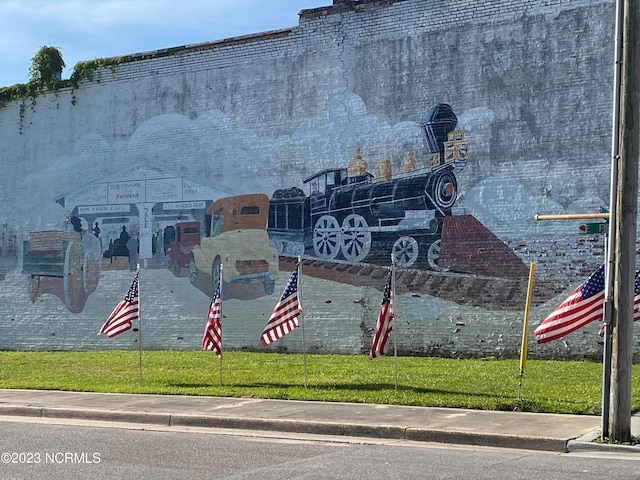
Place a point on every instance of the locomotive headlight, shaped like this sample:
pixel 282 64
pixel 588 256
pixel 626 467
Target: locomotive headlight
pixel 448 189
pixel 462 150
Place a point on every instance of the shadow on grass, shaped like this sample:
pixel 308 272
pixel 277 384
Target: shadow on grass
pixel 369 387
pixel 194 385
pixel 491 401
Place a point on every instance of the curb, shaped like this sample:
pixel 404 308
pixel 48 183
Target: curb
pixel 587 443
pixel 84 414
pixel 293 426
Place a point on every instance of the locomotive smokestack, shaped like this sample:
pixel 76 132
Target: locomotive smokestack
pixel 437 123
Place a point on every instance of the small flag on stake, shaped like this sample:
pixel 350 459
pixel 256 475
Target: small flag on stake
pixel 584 305
pixel 636 302
pixel 125 312
pixel 384 325
pixel 212 339
pixel 284 317
pixel 581 307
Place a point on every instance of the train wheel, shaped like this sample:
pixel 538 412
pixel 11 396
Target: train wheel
pixel 355 239
pixel 433 255
pixel 278 245
pixel 443 190
pixel 326 237
pixel 291 249
pixel 405 251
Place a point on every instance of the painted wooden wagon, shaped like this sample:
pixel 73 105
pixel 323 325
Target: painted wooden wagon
pixel 60 263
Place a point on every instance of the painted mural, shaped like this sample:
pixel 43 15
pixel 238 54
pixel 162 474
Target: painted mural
pixel 352 213
pixel 342 216
pixel 386 129
pixel 8 249
pixel 187 221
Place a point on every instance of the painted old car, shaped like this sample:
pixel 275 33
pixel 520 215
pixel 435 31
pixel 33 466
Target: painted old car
pixel 237 244
pixel 180 252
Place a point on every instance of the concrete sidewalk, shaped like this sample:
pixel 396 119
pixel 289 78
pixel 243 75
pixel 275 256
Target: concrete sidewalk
pixel 534 431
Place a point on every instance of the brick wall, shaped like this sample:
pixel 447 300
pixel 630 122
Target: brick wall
pixel 530 82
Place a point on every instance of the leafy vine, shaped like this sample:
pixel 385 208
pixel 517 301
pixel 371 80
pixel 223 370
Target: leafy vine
pixel 46 71
pixel 84 71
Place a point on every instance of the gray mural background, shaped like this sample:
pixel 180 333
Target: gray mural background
pixel 530 82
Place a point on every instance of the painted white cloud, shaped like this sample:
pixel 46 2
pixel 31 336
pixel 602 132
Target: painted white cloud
pixel 211 149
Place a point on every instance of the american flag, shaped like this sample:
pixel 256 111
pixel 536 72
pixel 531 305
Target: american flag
pixel 584 305
pixel 384 325
pixel 212 339
pixel 125 312
pixel 285 314
pixel 636 302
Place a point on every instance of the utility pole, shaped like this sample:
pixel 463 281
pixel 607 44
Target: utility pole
pixel 625 228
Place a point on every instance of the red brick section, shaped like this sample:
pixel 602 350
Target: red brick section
pixel 468 247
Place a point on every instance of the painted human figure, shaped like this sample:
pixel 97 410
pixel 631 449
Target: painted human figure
pixel 124 235
pixel 160 247
pixel 67 226
pixel 132 246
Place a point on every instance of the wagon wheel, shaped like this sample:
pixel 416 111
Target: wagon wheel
pixel 90 274
pixel 74 294
pixel 326 237
pixel 433 255
pixel 356 238
pixel 405 251
pixel 34 287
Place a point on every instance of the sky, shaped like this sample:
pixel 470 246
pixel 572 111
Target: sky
pixel 88 29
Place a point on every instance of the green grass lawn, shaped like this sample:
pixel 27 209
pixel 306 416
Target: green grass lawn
pixel 547 386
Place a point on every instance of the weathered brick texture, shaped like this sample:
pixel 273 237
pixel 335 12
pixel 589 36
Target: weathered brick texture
pixel 530 81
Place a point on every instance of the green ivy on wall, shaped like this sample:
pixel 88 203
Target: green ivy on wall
pixel 46 67
pixel 84 71
pixel 46 71
pixel 45 75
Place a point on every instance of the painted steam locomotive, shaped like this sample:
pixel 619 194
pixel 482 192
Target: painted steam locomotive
pixel 351 214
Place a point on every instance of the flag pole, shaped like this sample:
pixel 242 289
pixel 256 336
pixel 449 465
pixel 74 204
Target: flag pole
pixel 395 333
pixel 525 327
pixel 304 342
pixel 139 323
pixel 221 326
